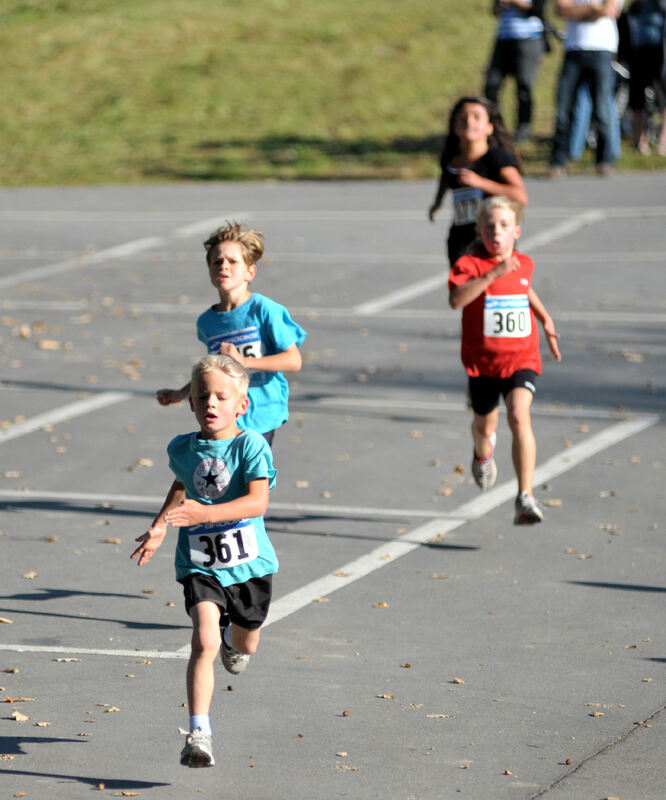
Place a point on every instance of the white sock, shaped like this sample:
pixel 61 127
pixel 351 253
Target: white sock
pixel 200 721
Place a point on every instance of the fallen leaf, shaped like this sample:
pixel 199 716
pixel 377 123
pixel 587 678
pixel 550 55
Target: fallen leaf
pixel 439 576
pixel 607 493
pixel 385 696
pixel 552 502
pixel 609 527
pixel 631 647
pixel 322 600
pixel 11 670
pixel 596 714
pixel 342 753
pixel 18 700
pixel 346 768
pixel 406 665
pixel 30 576
pixel 42 724
pixel 507 772
pixel 6 757
pixel 464 766
pixel 111 541
pixel 7 621
pixel 458 680
pixel 301 484
pixel 383 604
pixel 459 469
pixel 66 660
pixel 416 434
pixel 441 716
pixel 341 574
pixel 20 717
pixel 49 344
pixel 142 462
pixel 111 709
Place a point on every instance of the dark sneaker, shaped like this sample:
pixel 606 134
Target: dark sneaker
pixel 234 661
pixel 527 510
pixel 485 472
pixel 198 750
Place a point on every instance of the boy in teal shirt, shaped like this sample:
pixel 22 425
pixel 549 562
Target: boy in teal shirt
pixel 224 558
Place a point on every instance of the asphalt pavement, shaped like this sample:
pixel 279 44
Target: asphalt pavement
pixel 420 645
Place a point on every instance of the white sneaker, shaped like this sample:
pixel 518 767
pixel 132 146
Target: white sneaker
pixel 233 660
pixel 198 751
pixel 484 471
pixel 528 511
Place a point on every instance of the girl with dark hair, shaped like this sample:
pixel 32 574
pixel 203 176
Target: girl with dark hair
pixel 478 160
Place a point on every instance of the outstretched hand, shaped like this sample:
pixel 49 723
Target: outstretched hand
pixel 150 541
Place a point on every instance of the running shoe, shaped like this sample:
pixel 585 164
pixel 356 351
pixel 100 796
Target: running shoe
pixel 233 660
pixel 485 471
pixel 198 750
pixel 527 510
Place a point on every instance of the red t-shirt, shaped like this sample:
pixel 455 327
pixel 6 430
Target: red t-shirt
pixel 499 329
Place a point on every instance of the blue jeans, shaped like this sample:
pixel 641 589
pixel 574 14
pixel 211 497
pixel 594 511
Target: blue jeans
pixel 520 58
pixel 592 67
pixel 580 125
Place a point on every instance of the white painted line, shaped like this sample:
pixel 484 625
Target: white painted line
pixel 111 253
pixel 565 228
pixel 436 282
pixel 407 405
pixel 155 502
pixel 488 501
pixel 63 413
pixel 417 289
pixel 205 226
pixel 396 548
pixel 85 651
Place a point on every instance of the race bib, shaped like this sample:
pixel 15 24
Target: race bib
pixel 247 340
pixel 507 316
pixel 220 545
pixel 466 204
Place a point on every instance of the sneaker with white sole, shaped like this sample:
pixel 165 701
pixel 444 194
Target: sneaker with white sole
pixel 528 511
pixel 484 471
pixel 198 751
pixel 234 661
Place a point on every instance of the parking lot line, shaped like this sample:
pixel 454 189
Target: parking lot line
pixel 390 551
pixel 63 413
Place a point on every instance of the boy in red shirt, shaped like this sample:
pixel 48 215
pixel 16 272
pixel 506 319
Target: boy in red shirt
pixel 500 344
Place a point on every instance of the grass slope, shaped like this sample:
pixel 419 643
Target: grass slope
pixel 111 91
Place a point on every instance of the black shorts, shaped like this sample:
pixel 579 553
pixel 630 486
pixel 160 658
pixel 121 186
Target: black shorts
pixel 244 604
pixel 484 393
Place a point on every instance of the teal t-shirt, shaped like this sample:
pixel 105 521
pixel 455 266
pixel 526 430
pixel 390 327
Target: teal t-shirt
pixel 259 327
pixel 216 471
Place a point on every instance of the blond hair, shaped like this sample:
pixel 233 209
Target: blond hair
pixel 250 241
pixel 234 369
pixel 500 201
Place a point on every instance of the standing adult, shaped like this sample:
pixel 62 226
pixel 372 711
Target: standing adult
pixel 591 40
pixel 642 47
pixel 518 49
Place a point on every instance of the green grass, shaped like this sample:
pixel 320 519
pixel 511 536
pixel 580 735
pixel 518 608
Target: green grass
pixel 120 91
